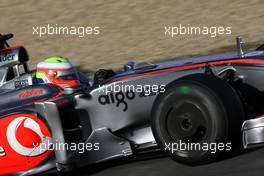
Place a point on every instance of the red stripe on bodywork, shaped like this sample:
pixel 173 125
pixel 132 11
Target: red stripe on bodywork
pixel 10 48
pixel 237 61
pixel 259 117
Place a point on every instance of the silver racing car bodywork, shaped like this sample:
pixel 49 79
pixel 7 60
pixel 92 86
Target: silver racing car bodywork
pixel 120 125
pixel 253 133
pixel 107 116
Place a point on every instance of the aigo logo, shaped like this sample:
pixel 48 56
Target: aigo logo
pixel 117 98
pixel 24 135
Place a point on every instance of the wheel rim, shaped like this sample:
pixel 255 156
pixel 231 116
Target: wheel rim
pixel 186 121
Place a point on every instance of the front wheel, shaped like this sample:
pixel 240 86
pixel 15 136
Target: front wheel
pixel 197 118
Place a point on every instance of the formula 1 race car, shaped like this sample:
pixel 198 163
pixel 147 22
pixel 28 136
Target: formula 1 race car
pixel 46 127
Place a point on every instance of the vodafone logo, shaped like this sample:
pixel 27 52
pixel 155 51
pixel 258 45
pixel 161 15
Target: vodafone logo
pixel 25 136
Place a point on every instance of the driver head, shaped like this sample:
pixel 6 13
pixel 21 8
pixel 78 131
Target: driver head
pixel 57 70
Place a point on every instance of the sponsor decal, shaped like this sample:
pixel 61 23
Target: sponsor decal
pixel 29 93
pixel 20 146
pixel 121 94
pixel 21 83
pixel 2 152
pixel 28 127
pixel 119 98
pixel 7 57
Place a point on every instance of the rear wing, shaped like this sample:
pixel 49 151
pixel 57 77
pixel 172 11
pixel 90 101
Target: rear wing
pixel 13 56
pixel 4 38
pixel 13 59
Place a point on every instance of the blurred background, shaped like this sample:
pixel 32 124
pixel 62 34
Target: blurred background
pixel 130 29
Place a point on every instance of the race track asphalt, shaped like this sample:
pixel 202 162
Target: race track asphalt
pixel 246 164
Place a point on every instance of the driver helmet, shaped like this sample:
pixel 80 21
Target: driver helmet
pixel 57 70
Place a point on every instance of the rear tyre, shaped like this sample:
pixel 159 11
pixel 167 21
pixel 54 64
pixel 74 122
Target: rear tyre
pixel 197 118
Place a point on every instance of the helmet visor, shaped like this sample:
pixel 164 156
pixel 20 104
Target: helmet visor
pixel 68 77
